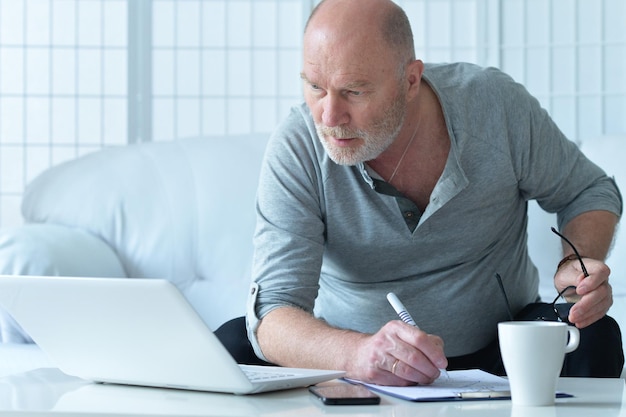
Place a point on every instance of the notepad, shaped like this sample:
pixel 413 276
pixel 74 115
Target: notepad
pixel 466 385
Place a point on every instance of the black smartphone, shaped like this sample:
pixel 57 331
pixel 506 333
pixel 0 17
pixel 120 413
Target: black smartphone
pixel 344 394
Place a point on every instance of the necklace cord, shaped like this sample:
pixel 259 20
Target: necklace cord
pixel 402 157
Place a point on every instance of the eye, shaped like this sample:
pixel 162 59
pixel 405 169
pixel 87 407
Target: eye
pixel 315 89
pixel 355 93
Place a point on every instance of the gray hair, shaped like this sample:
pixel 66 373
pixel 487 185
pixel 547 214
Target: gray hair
pixel 396 31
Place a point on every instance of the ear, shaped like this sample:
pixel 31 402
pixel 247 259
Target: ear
pixel 414 72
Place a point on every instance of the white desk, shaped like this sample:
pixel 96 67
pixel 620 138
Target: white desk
pixel 45 391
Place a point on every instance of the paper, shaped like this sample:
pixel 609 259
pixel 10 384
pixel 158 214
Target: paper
pixel 469 384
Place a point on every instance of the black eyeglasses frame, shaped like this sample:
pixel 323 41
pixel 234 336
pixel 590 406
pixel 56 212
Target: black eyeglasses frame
pixel 580 259
pixel 553 304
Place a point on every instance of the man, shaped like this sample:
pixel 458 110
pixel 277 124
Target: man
pixel 412 178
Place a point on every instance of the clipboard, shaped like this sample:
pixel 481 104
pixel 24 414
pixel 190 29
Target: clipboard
pixel 465 385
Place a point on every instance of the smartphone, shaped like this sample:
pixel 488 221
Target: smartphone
pixel 344 394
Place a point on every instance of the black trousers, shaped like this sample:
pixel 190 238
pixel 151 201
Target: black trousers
pixel 234 337
pixel 599 353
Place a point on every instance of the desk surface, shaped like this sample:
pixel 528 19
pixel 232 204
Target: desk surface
pixel 44 390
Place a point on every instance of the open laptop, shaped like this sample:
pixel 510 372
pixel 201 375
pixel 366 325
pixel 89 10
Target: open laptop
pixel 135 332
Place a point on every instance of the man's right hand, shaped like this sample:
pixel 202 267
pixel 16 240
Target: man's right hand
pixel 398 354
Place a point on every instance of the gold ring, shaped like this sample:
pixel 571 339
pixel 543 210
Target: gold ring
pixel 393 367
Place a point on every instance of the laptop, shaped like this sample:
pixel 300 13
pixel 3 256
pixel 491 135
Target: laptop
pixel 135 332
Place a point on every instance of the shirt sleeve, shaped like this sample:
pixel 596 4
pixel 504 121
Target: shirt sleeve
pixel 289 236
pixel 551 168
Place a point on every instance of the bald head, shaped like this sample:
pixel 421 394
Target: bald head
pixel 372 20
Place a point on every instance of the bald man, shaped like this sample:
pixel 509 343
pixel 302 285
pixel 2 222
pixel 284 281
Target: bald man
pixel 395 175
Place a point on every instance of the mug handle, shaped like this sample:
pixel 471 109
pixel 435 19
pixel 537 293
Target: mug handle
pixel 574 339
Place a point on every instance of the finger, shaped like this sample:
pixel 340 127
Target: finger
pixel 421 354
pixel 378 358
pixel 427 345
pixel 591 307
pixel 410 375
pixel 399 341
pixel 582 320
pixel 591 283
pixel 572 275
pixel 390 371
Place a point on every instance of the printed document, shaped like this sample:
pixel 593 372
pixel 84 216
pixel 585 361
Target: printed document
pixel 460 385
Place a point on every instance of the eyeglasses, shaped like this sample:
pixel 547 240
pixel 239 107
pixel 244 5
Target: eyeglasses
pixel 553 304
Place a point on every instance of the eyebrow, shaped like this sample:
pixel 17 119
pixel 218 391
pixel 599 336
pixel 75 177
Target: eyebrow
pixel 357 84
pixel 350 86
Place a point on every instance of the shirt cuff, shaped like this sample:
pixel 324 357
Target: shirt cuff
pixel 252 321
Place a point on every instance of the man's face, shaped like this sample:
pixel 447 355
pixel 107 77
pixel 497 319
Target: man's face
pixel 355 95
pixel 376 135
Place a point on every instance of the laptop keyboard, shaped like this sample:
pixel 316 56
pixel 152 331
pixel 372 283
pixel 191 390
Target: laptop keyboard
pixel 264 376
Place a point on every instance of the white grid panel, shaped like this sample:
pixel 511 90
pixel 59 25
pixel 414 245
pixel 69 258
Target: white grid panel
pixel 446 30
pixel 571 54
pixel 224 67
pixel 62 87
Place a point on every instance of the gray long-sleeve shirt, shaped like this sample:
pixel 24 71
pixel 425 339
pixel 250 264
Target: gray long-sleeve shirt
pixel 329 243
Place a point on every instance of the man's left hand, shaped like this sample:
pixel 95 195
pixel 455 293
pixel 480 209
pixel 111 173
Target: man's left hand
pixel 594 295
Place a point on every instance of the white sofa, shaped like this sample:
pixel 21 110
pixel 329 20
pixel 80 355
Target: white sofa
pixel 180 210
pixel 184 211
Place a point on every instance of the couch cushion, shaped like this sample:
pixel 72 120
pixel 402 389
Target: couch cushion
pixel 181 210
pixel 48 249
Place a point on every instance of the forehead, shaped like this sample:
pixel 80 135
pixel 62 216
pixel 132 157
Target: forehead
pixel 346 59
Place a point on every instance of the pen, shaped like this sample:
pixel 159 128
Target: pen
pixel 406 317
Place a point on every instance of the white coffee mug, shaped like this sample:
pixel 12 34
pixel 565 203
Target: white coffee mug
pixel 533 354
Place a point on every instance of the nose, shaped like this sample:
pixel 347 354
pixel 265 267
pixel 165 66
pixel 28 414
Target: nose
pixel 334 111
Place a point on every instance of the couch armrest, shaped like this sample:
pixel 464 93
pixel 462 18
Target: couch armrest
pixel 49 249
